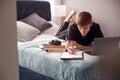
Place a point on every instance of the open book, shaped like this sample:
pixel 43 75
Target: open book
pixel 76 55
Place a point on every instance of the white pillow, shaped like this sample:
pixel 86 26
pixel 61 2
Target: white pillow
pixel 25 32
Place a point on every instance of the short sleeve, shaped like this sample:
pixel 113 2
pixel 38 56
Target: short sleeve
pixel 98 32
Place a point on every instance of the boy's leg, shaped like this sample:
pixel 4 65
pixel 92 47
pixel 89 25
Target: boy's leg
pixel 68 19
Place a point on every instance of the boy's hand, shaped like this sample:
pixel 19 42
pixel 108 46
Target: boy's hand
pixel 72 46
pixel 71 49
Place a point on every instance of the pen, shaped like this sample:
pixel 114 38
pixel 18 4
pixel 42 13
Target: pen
pixel 82 55
pixel 68 41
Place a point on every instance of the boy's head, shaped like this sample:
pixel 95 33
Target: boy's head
pixel 84 22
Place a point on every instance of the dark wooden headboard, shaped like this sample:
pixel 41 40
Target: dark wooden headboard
pixel 25 8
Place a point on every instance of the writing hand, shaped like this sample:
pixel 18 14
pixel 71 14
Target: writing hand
pixel 71 49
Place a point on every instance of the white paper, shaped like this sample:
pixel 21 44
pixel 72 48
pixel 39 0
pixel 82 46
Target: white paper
pixel 76 55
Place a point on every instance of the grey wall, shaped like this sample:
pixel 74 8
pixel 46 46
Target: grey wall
pixel 8 41
pixel 105 12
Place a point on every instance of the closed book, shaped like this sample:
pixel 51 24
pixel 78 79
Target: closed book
pixel 54 48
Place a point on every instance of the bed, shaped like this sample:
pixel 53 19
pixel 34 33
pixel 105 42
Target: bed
pixel 36 63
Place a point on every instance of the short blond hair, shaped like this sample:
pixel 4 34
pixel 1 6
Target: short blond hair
pixel 83 18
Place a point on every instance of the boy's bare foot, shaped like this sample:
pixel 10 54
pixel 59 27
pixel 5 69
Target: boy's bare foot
pixel 69 17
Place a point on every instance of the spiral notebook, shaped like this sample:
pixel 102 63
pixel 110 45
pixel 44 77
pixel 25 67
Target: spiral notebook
pixel 75 56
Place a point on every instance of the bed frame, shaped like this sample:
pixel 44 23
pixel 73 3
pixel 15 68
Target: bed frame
pixel 24 9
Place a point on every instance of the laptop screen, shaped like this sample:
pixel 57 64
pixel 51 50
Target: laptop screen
pixel 106 45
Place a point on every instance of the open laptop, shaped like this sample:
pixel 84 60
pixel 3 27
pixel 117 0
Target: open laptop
pixel 105 45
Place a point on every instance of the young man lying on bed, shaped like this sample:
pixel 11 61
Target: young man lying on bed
pixel 80 34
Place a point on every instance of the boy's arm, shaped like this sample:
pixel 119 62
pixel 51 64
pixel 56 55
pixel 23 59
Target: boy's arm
pixel 85 47
pixel 71 46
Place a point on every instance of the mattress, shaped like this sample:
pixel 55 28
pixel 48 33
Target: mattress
pixel 33 57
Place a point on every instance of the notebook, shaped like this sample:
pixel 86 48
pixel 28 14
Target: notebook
pixel 105 45
pixel 76 55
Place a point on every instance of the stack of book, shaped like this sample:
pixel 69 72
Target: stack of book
pixel 54 48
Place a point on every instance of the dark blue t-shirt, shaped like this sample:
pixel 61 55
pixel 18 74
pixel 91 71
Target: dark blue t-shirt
pixel 73 33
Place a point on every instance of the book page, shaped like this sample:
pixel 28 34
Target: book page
pixel 76 55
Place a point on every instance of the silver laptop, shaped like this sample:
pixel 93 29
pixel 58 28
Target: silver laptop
pixel 106 45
